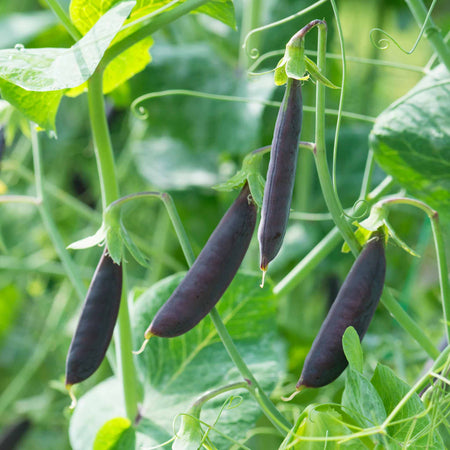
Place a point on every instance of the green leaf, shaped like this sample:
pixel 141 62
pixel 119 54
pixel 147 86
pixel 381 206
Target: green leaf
pixel 53 69
pixel 116 434
pixel 411 421
pixel 91 241
pixel 132 248
pixel 251 172
pixel 222 10
pixel 84 13
pixel 317 75
pixel 39 107
pixel 411 141
pixel 169 366
pixel 352 349
pixel 362 400
pixel 114 244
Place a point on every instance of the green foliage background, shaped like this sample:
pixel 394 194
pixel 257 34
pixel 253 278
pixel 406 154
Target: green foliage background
pixel 184 147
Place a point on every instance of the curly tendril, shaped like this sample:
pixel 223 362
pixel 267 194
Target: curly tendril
pixel 261 59
pixel 141 113
pixel 254 52
pixel 384 43
pixel 363 213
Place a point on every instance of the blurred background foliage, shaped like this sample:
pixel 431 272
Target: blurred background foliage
pixel 184 147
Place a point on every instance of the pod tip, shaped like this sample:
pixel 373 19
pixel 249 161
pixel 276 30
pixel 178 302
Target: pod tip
pixel 264 271
pixel 144 344
pixel 294 394
pixel 69 388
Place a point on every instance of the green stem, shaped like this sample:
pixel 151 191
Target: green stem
pixel 26 199
pixel 102 140
pixel 330 196
pixel 269 409
pixel 434 36
pixel 440 251
pixel 110 192
pixel 408 324
pixel 145 31
pixel 52 230
pixel 64 18
pixel 209 395
pixel 367 178
pixel 309 262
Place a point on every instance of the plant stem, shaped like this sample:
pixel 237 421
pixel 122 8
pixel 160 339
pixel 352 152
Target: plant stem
pixel 25 199
pixel 433 34
pixel 408 324
pixel 272 413
pixel 330 196
pixel 102 140
pixel 145 31
pixel 52 230
pixel 367 178
pixel 110 192
pixel 269 409
pixel 64 18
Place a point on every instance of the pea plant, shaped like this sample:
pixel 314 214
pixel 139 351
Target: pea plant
pixel 192 332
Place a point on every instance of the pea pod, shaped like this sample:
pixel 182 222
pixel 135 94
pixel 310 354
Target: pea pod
pixel 354 306
pixel 211 273
pixel 97 321
pixel 281 174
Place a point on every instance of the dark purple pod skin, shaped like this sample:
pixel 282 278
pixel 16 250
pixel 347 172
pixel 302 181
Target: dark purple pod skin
pixel 11 437
pixel 281 174
pixel 96 325
pixel 354 306
pixel 211 273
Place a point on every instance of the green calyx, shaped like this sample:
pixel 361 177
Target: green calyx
pixel 377 222
pixel 295 64
pixel 292 65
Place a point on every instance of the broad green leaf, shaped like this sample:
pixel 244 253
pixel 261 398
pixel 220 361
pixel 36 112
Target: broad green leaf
pixel 222 10
pixel 39 107
pixel 101 404
pixel 362 400
pixel 84 13
pixel 411 141
pixel 320 422
pixel 176 371
pixel 352 349
pixel 53 69
pixel 116 434
pixel 411 421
